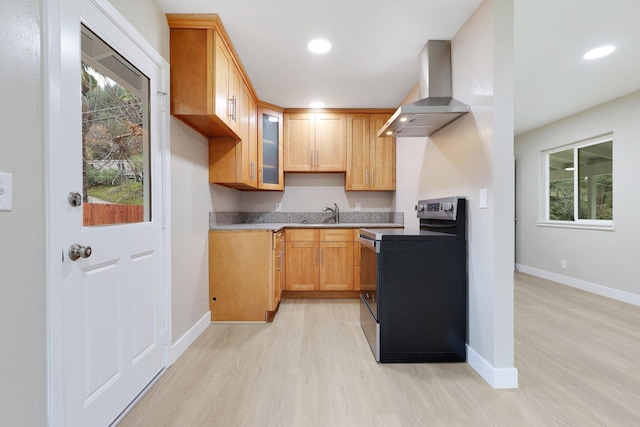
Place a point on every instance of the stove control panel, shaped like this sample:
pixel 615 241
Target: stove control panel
pixel 443 208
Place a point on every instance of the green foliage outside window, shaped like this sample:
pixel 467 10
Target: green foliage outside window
pixel 594 176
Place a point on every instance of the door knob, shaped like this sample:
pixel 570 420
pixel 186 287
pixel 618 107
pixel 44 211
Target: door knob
pixel 77 251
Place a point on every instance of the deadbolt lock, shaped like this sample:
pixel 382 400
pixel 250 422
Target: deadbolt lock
pixel 75 199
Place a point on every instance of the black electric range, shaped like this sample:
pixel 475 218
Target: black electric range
pixel 414 286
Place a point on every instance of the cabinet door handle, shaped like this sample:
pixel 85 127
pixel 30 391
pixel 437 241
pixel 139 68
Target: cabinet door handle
pixel 261 176
pixel 235 108
pixel 318 159
pixel 311 162
pixel 316 256
pixel 322 256
pixel 366 177
pixel 373 178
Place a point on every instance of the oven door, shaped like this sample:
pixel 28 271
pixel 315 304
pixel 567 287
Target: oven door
pixel 369 250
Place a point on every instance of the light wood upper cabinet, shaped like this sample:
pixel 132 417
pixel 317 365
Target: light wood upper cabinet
pixel 227 82
pixel 358 147
pixel 249 135
pixel 371 160
pixel 315 142
pixel 383 158
pixel 299 140
pixel 234 163
pixel 206 76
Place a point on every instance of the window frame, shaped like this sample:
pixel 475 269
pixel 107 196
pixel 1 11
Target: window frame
pixel 592 224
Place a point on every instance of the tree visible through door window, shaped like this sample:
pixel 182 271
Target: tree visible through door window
pixel 580 182
pixel 115 137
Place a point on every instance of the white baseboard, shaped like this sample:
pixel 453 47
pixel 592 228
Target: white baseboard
pixel 594 288
pixel 189 337
pixel 496 377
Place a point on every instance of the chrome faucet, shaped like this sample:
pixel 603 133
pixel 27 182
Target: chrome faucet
pixel 336 212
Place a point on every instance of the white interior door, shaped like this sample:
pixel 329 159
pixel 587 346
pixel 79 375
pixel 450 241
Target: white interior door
pixel 108 309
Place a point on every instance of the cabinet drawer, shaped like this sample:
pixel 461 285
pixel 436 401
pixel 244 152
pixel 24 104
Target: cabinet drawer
pixel 302 235
pixel 336 235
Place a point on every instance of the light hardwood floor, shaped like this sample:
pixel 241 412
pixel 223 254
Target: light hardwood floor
pixel 577 354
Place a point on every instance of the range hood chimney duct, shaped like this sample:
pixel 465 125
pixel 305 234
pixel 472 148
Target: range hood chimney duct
pixel 436 107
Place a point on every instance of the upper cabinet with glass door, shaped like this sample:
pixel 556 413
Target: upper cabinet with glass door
pixel 270 150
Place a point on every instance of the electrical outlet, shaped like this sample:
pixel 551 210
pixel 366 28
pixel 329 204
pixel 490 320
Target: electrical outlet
pixel 278 207
pixel 563 264
pixel 358 207
pixel 6 191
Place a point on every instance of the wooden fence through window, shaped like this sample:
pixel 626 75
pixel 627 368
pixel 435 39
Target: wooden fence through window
pixel 104 214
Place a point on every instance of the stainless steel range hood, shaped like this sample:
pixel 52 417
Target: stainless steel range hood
pixel 436 108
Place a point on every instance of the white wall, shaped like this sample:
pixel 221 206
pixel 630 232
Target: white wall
pixel 599 261
pixel 149 19
pixel 473 153
pixel 190 207
pixel 311 192
pixel 225 199
pixel 22 230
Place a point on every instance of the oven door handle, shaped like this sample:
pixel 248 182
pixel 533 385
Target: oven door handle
pixel 371 244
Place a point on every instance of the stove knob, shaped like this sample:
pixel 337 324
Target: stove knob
pixel 420 208
pixel 447 206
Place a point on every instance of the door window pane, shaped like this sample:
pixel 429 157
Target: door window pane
pixel 115 136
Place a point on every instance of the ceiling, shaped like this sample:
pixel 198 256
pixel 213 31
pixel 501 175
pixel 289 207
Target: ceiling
pixel 374 60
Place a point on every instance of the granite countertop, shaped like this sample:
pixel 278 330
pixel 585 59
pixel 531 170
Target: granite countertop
pixel 275 221
pixel 281 225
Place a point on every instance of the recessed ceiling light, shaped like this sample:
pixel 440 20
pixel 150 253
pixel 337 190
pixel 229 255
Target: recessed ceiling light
pixel 403 119
pixel 319 46
pixel 599 52
pixel 316 104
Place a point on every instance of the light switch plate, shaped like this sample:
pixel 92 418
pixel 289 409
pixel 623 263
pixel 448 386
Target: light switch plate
pixel 6 191
pixel 278 207
pixel 484 198
pixel 358 207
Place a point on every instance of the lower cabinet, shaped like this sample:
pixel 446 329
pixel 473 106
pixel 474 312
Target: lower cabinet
pixel 245 274
pixel 356 259
pixel 319 260
pixel 278 269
